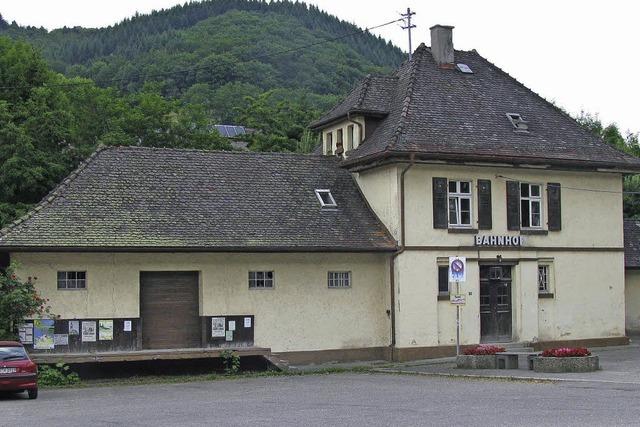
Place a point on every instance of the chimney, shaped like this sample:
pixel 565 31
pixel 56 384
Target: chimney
pixel 442 45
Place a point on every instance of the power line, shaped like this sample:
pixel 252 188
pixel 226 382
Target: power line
pixel 593 190
pixel 203 67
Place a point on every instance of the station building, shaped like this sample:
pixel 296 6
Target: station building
pixel 343 254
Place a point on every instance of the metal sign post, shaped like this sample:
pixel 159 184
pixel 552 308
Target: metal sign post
pixel 457 321
pixel 457 273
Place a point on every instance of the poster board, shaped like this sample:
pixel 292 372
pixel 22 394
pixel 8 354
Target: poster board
pixel 43 334
pixel 105 330
pixel 218 327
pixel 89 331
pixel 25 332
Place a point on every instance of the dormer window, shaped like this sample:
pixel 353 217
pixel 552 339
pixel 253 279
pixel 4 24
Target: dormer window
pixel 326 199
pixel 329 144
pixel 519 124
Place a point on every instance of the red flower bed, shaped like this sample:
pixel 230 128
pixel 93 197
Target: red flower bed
pixel 484 350
pixel 566 352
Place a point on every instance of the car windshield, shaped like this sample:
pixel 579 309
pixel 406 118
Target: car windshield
pixel 12 353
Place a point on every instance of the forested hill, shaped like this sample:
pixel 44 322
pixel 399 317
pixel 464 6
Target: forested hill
pixel 234 46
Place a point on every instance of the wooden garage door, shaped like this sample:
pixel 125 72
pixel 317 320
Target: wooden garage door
pixel 169 309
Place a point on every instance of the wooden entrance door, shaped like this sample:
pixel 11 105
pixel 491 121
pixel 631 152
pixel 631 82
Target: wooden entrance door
pixel 169 309
pixel 495 303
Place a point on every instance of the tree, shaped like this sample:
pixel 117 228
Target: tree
pixel 19 300
pixel 49 123
pixel 611 135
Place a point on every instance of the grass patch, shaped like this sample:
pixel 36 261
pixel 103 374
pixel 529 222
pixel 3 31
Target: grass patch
pixel 179 379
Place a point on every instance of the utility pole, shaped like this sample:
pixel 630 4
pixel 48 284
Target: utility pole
pixel 407 19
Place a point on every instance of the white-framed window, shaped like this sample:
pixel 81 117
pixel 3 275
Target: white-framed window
pixel 329 143
pixel 339 279
pixel 545 279
pixel 261 279
pixel 460 198
pixel 350 137
pixel 530 205
pixel 326 199
pixel 72 279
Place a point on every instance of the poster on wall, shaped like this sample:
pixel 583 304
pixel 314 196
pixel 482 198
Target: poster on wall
pixel 232 325
pixel 106 330
pixel 247 322
pixel 127 326
pixel 228 336
pixel 217 327
pixel 60 339
pixel 25 332
pixel 89 331
pixel 74 327
pixel 43 334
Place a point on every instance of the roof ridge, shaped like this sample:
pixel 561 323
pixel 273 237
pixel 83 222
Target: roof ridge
pixel 366 82
pixel 552 104
pixel 406 103
pixel 201 150
pixel 57 191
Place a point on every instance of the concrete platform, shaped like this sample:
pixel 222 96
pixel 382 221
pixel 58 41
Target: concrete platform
pixel 163 354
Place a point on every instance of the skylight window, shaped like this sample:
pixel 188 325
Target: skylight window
pixel 519 124
pixel 464 68
pixel 326 199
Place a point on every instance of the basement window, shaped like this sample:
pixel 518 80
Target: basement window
pixel 326 199
pixel 72 279
pixel 339 279
pixel 519 124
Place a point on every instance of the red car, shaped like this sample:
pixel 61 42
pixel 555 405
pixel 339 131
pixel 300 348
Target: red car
pixel 17 372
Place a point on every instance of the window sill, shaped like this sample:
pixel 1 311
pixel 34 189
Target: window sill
pixel 533 232
pixel 463 230
pixel 545 295
pixel 443 297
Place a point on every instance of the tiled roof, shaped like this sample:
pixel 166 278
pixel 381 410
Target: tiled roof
pixel 445 114
pixel 370 96
pixel 158 199
pixel 632 243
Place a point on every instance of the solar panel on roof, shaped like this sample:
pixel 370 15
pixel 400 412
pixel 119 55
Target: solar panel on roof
pixel 230 131
pixel 464 68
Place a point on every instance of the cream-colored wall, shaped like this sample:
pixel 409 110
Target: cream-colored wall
pixel 632 300
pixel 382 189
pixel 300 313
pixel 358 134
pixel 587 286
pixel 589 219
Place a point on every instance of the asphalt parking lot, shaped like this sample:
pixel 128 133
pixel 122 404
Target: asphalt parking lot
pixel 337 399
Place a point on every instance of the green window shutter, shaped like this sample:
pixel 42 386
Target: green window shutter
pixel 440 204
pixel 554 212
pixel 484 204
pixel 513 205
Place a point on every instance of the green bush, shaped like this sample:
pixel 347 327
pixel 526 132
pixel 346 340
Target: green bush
pixel 19 300
pixel 231 362
pixel 57 375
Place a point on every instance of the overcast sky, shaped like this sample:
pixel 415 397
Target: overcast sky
pixel 582 54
